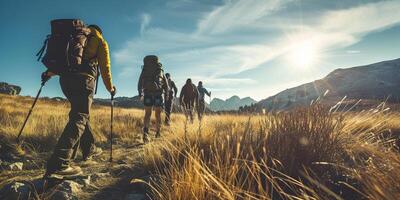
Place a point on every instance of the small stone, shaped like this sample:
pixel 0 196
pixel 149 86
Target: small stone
pixel 70 187
pixel 17 166
pixel 140 184
pixel 97 176
pixel 135 196
pixel 84 180
pixel 15 190
pixel 67 190
pixel 61 195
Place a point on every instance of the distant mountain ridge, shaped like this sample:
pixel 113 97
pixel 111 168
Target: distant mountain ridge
pixel 374 81
pixel 232 103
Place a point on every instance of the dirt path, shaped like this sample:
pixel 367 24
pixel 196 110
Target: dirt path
pixel 101 180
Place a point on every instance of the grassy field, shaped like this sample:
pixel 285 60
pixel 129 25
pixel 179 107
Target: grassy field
pixel 308 153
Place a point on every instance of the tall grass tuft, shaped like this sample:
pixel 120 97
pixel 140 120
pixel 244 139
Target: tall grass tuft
pixel 302 154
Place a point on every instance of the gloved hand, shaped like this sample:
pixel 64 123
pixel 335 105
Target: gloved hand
pixel 166 97
pixel 45 76
pixel 113 91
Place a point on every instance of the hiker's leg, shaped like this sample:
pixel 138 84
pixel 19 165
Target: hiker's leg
pixel 77 90
pixel 186 106
pixel 199 110
pixel 191 106
pixel 158 106
pixel 147 116
pixel 75 150
pixel 148 102
pixel 168 108
pixel 202 108
pixel 157 111
pixel 87 141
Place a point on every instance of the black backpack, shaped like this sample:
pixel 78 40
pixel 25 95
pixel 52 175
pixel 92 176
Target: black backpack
pixel 152 74
pixel 64 46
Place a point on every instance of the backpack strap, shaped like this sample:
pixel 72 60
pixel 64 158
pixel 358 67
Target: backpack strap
pixel 41 51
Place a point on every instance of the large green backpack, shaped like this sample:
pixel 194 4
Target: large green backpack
pixel 152 74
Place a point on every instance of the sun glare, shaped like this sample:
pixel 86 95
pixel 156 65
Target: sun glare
pixel 303 55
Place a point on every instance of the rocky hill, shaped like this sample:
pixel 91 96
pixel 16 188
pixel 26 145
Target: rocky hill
pixel 376 81
pixel 232 103
pixel 6 88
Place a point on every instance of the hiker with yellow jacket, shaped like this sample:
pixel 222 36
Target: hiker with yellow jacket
pixel 78 85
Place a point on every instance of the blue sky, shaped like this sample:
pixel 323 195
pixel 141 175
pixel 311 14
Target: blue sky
pixel 236 47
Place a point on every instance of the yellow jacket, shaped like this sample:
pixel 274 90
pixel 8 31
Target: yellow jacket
pixel 97 50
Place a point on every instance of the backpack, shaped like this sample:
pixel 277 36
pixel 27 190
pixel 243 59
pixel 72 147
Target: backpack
pixel 152 74
pixel 64 46
pixel 189 91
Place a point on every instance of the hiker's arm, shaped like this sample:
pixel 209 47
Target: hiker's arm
pixel 207 92
pixel 197 97
pixel 181 95
pixel 166 86
pixel 105 65
pixel 140 84
pixel 174 88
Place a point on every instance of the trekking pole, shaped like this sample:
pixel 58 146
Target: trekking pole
pixel 111 127
pixel 30 111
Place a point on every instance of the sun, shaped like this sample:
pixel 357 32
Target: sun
pixel 303 55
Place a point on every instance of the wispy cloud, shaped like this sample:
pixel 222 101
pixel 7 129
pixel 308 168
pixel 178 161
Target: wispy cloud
pixel 145 21
pixel 220 45
pixel 236 14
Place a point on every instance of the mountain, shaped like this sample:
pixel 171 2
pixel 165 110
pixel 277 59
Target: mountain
pixel 6 88
pixel 233 103
pixel 132 102
pixel 375 81
pixel 125 102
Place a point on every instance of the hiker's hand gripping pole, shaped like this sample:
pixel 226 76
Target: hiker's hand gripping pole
pixel 45 77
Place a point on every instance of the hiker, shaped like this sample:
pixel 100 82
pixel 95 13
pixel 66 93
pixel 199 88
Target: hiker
pixel 151 86
pixel 189 98
pixel 202 104
pixel 169 101
pixel 78 85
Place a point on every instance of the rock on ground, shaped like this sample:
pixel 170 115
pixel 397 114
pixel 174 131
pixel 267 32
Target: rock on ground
pixel 16 190
pixel 17 166
pixel 67 190
pixel 135 196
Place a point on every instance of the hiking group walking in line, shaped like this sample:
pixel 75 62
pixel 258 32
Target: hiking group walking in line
pixel 79 55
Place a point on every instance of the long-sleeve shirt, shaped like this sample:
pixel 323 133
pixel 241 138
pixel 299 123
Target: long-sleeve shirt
pixel 97 50
pixel 202 92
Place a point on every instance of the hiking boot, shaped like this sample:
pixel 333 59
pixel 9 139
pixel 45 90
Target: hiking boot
pixel 95 151
pixel 145 133
pixel 158 134
pixel 145 138
pixel 69 171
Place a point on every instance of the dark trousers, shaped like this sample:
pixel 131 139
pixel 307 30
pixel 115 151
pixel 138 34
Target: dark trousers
pixel 77 133
pixel 188 106
pixel 168 107
pixel 201 108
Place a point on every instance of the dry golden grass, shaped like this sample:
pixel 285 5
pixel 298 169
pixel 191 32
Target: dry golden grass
pixel 308 153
